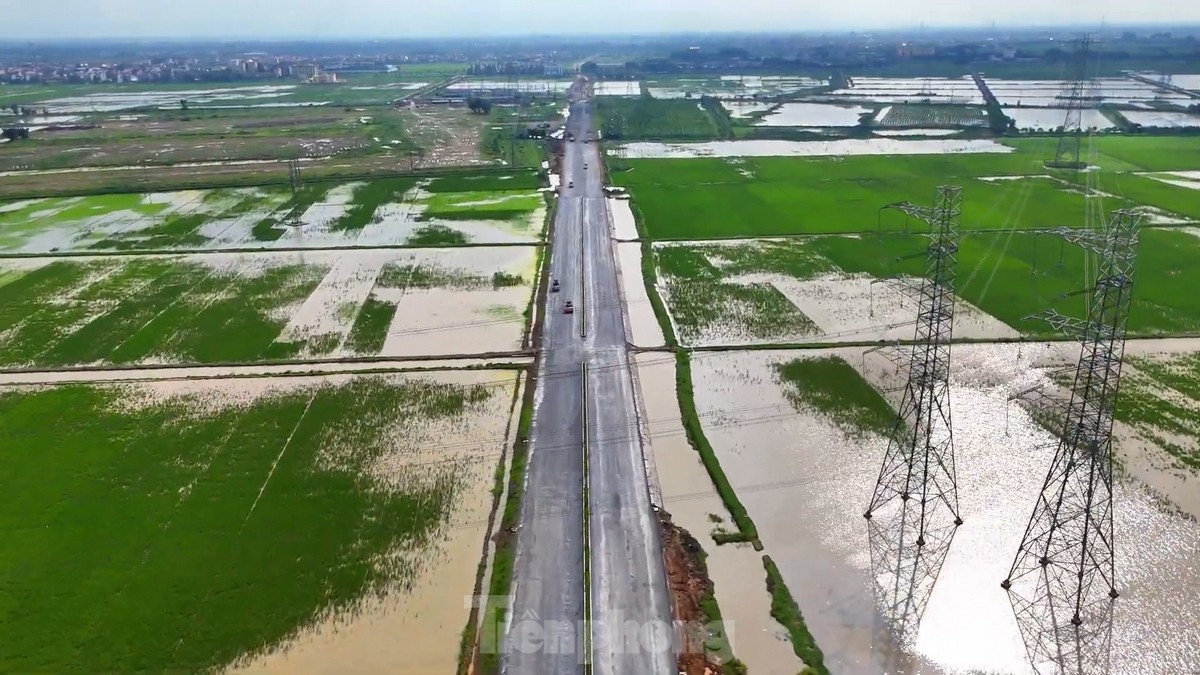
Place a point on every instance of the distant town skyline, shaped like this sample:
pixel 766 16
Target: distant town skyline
pixel 268 19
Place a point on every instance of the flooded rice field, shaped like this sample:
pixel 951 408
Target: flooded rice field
pixel 814 115
pixel 617 88
pixel 915 132
pixel 113 101
pixel 1155 118
pixel 1190 82
pixel 260 218
pixel 1056 93
pixel 731 86
pixel 523 85
pixel 806 478
pixel 1052 118
pixel 743 301
pixel 432 607
pixel 744 109
pixel 772 148
pixel 960 90
pixel 303 304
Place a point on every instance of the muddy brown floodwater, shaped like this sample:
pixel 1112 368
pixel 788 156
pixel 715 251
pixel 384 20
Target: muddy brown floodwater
pixel 806 483
pixel 739 581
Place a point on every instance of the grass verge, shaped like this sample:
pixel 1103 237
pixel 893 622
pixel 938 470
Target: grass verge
pixel 785 610
pixel 747 532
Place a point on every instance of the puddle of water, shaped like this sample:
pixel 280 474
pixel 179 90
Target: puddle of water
pixel 774 148
pixel 806 483
pixel 739 581
pixel 644 326
pixel 624 224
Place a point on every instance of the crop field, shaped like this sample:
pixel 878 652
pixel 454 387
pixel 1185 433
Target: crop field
pixel 1055 93
pixel 385 211
pixel 645 117
pixel 958 91
pixel 814 115
pixel 175 137
pixel 730 86
pixel 776 196
pixel 819 289
pixel 229 308
pixel 233 516
pixel 1158 399
pixel 914 115
pixel 357 89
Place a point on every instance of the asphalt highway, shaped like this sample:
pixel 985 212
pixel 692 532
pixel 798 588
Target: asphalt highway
pixel 626 610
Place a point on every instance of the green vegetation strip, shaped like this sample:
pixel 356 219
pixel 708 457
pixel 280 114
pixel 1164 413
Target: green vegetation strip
pixel 491 636
pixel 747 532
pixel 371 326
pixel 198 532
pixel 717 646
pixel 785 610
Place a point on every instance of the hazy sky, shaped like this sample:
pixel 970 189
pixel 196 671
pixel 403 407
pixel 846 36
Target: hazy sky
pixel 30 19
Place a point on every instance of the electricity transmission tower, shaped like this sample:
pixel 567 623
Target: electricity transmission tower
pixel 1081 91
pixel 1064 569
pixel 919 464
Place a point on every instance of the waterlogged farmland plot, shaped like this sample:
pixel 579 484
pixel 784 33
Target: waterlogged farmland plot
pixel 381 212
pixel 777 291
pixel 228 308
pixel 238 516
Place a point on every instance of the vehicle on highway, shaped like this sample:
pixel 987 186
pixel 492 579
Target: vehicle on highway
pixel 554 286
pixel 569 308
pixel 571 184
pixel 585 166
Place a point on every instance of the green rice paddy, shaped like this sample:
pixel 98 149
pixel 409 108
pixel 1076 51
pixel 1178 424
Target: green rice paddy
pixel 783 196
pixel 184 533
pixel 126 311
pixel 831 387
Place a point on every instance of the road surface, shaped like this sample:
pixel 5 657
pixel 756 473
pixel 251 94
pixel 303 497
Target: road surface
pixel 627 608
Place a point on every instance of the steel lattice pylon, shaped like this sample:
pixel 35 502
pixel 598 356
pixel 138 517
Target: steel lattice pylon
pixel 1067 154
pixel 1064 569
pixel 919 464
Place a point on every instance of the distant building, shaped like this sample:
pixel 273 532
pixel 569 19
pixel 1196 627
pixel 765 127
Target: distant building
pixel 551 70
pixel 306 71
